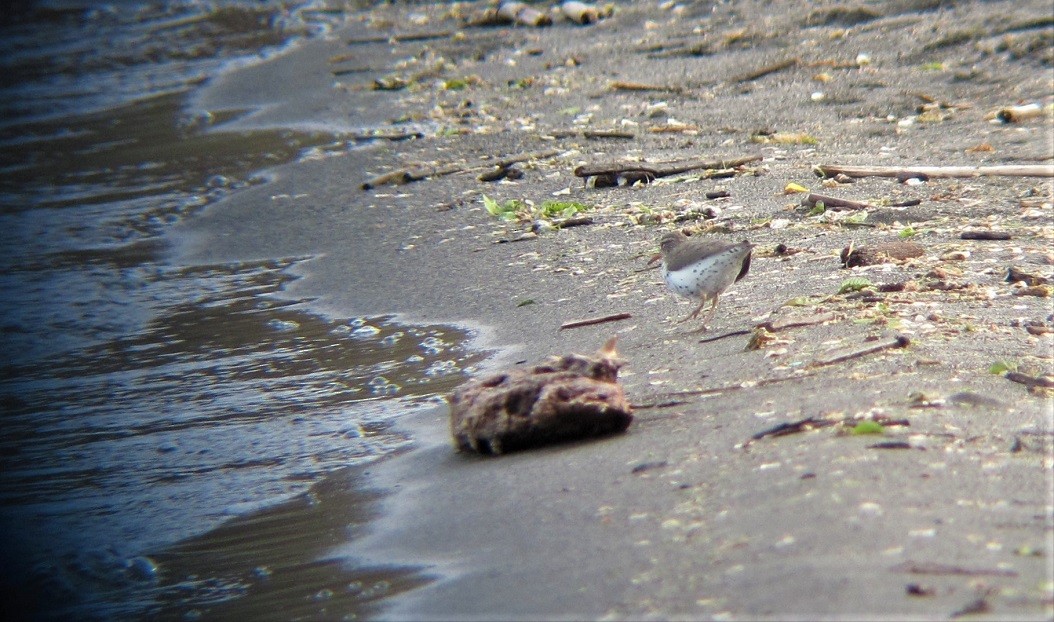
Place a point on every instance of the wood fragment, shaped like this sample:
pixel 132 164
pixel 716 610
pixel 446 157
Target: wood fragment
pixel 984 234
pixel 1038 170
pixel 405 176
pixel 596 320
pixel 979 605
pixel 934 568
pixel 620 85
pixel 580 12
pixel 1045 382
pixel 833 203
pixel 893 445
pixel 592 134
pixel 1015 274
pixel 785 323
pixel 522 14
pixel 899 342
pixel 649 171
pixel 793 427
pixel 575 221
pixel 766 70
pixel 397 37
pixel 880 253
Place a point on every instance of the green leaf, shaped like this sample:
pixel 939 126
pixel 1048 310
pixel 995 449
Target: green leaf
pixel 867 427
pixel 857 218
pixel 907 232
pixel 524 303
pixel 854 284
pixel 491 206
pixel 817 209
pixel 1001 367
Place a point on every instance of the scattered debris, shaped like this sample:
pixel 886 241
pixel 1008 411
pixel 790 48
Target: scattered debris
pixel 405 176
pixel 1019 275
pixel 1016 114
pixel 580 12
pixel 1044 382
pixel 1037 170
pixel 566 398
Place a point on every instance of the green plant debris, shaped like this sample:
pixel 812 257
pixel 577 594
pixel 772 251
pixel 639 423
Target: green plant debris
pixel 854 284
pixel 524 303
pixel 515 209
pixel 935 66
pixel 818 209
pixel 867 427
pixel 1001 367
pixel 800 301
pixel 857 218
pixel 907 232
pixel 455 84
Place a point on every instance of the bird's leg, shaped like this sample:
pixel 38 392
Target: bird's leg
pixel 709 316
pixel 694 313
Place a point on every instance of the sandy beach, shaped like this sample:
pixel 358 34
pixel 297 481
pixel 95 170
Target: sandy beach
pixel 947 511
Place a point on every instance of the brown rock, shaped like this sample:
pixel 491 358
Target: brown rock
pixel 566 398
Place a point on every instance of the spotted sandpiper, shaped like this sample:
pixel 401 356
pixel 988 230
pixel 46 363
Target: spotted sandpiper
pixel 698 268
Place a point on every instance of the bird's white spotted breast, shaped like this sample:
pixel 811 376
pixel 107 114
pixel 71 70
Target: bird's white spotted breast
pixel 707 277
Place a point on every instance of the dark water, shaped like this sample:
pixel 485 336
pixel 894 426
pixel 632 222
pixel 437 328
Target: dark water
pixel 176 440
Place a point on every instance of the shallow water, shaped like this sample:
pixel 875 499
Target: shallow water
pixel 176 439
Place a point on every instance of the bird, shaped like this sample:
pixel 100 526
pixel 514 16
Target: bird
pixel 701 268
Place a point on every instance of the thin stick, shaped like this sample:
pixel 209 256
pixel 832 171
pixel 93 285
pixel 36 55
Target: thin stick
pixel 900 342
pixel 396 37
pixel 1038 170
pixel 663 169
pixel 766 70
pixel 596 320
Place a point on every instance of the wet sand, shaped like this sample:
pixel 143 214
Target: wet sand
pixel 681 517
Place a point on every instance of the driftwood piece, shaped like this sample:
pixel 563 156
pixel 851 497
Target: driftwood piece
pixel 832 203
pixel 880 253
pixel 566 398
pixel 591 134
pixel 522 14
pixel 1037 170
pixel 580 12
pixel 611 174
pixel 620 85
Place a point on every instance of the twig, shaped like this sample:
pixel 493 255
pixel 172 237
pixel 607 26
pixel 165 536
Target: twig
pixel 911 567
pixel 596 320
pixel 725 335
pixel 900 342
pixel 766 70
pixel 619 85
pixel 576 221
pixel 396 37
pixel 1038 170
pixel 592 134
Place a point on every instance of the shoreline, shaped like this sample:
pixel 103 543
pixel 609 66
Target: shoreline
pixel 813 525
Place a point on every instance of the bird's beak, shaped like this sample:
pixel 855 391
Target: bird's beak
pixel 654 258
